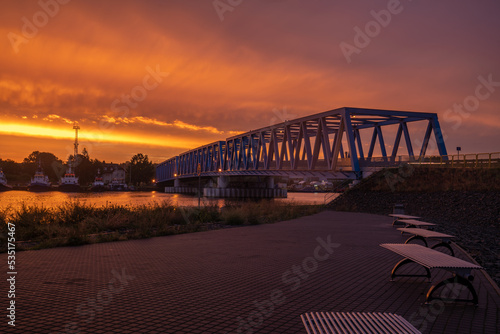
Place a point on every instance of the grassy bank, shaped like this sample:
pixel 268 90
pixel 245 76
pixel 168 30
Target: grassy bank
pixel 74 223
pixel 410 178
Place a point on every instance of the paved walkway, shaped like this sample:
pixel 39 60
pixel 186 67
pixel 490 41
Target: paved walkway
pixel 255 279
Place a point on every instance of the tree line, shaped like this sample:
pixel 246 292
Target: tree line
pixel 139 169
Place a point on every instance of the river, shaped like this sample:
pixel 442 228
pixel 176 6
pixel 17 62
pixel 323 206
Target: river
pixel 15 198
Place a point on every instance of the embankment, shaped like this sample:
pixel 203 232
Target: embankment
pixel 463 202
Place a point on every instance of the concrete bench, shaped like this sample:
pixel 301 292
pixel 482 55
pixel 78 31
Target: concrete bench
pixel 423 235
pixel 399 216
pixel 416 223
pixel 347 322
pixel 431 259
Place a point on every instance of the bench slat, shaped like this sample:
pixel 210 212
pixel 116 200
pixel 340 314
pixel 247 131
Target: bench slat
pixel 355 322
pixel 429 258
pixel 416 222
pixel 401 216
pixel 425 233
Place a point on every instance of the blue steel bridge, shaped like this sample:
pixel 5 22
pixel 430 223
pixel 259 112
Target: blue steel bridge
pixel 327 145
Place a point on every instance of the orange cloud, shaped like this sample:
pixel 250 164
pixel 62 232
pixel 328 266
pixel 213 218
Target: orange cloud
pixel 152 121
pixel 95 136
pixel 228 77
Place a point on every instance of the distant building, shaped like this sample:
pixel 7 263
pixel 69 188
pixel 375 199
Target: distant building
pixel 112 172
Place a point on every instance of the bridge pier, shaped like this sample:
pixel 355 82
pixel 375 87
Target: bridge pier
pixel 244 193
pixel 244 187
pixel 222 182
pixel 225 186
pixel 270 182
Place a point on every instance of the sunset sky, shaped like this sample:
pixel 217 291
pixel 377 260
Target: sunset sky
pixel 160 77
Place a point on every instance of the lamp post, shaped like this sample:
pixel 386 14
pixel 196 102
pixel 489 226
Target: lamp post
pixel 199 185
pixel 458 155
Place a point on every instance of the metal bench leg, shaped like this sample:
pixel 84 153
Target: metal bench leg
pixel 397 222
pixel 402 263
pixel 417 237
pixel 457 279
pixel 444 244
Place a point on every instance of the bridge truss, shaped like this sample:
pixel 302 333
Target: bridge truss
pixel 311 144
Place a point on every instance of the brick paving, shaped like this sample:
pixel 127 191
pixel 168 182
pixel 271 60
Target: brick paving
pixel 255 279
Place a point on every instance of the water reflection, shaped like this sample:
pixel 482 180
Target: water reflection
pixel 14 198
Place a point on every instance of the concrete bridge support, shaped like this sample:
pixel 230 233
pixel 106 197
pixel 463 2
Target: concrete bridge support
pixel 244 193
pixel 226 186
pixel 222 182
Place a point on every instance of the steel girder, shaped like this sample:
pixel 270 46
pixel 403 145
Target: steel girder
pixel 311 143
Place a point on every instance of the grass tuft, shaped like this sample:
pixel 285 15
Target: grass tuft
pixel 74 223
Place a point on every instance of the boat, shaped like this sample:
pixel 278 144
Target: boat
pixel 69 182
pixel 40 181
pixel 3 182
pixel 118 185
pixel 98 184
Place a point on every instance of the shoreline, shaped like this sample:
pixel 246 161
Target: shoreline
pixel 74 223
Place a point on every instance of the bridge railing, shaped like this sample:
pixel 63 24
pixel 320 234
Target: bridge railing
pixel 473 160
pixel 388 161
